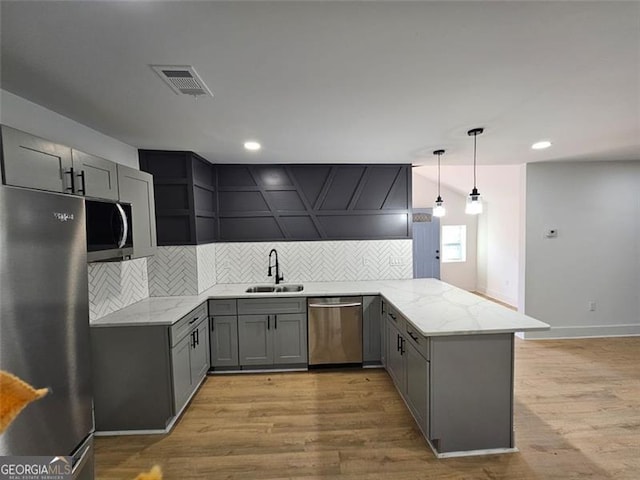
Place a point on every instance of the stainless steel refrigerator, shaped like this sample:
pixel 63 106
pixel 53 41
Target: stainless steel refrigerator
pixel 44 323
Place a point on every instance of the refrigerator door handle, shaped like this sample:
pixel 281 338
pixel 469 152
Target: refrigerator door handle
pixel 125 226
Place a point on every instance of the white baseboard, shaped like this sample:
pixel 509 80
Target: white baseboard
pixel 498 296
pixel 584 332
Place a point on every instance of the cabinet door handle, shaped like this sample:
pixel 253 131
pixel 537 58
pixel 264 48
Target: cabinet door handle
pixel 268 321
pixel 275 322
pixel 83 189
pixel 402 341
pixel 73 181
pixel 197 332
pixel 398 342
pixel 193 340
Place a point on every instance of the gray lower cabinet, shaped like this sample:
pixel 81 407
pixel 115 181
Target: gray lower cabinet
pixel 276 339
pixel 384 332
pixel 132 377
pixel 417 385
pixel 33 162
pixel 224 341
pixel 181 370
pixel 272 331
pixel 472 392
pixel 371 330
pixel 190 362
pixel 94 176
pixel 136 187
pixel 200 353
pixel 409 370
pixel 458 388
pixel 144 375
pixel 255 342
pixel 395 360
pixel 289 338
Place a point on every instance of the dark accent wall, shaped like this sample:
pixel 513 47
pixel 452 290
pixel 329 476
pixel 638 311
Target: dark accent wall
pixel 198 202
pixel 185 196
pixel 314 202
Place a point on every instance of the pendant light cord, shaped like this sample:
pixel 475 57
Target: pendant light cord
pixel 439 174
pixel 475 138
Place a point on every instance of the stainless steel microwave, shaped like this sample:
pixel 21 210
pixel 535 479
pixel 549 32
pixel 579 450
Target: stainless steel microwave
pixel 109 230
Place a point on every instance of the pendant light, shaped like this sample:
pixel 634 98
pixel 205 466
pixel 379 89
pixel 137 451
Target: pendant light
pixel 474 201
pixel 439 210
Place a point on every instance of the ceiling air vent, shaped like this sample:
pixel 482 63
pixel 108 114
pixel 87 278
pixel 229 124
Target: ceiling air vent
pixel 183 79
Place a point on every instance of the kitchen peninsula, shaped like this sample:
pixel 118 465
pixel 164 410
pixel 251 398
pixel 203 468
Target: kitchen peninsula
pixel 449 352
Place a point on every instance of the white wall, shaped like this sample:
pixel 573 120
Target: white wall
pixel 425 191
pixel 499 232
pixel 498 227
pixel 595 207
pixel 22 114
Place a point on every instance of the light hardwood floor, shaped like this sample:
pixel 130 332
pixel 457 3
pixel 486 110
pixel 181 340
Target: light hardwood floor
pixel 577 415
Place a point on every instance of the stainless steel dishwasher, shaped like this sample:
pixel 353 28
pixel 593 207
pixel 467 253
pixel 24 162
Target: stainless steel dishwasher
pixel 335 330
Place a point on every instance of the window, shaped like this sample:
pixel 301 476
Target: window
pixel 454 243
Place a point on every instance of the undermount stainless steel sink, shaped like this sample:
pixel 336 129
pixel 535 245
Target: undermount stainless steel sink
pixel 261 289
pixel 274 288
pixel 289 288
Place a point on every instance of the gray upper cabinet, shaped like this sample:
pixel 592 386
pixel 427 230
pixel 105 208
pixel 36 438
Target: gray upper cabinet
pixel 94 176
pixel 136 187
pixel 371 330
pixel 33 162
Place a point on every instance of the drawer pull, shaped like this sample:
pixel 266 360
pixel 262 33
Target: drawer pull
pixel 193 321
pixel 414 336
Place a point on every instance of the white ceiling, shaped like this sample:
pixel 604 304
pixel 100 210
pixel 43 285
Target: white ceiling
pixel 339 81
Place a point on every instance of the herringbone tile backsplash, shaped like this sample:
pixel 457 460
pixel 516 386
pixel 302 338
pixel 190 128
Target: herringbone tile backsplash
pixel 173 271
pixel 206 262
pixel 115 285
pixel 189 270
pixel 316 261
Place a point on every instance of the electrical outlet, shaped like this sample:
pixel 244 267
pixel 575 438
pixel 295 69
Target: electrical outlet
pixel 396 261
pixel 366 261
pixel 592 306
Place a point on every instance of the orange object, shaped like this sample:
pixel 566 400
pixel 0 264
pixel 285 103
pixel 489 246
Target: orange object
pixel 15 394
pixel 154 474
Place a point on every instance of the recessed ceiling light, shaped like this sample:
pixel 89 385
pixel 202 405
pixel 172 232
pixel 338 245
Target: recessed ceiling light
pixel 252 145
pixel 541 145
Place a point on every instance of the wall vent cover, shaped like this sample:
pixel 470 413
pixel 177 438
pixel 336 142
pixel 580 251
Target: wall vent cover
pixel 422 217
pixel 183 79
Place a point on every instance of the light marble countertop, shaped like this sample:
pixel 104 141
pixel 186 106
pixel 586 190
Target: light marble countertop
pixel 431 306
